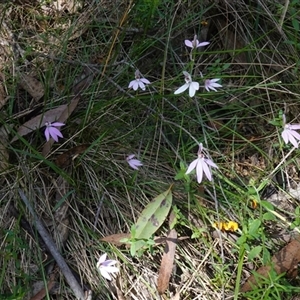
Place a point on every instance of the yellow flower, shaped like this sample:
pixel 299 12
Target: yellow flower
pixel 226 226
pixel 231 226
pixel 219 225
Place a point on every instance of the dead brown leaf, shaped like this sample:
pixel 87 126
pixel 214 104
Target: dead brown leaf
pixel 167 261
pixel 285 261
pixel 115 239
pixel 33 86
pixel 65 159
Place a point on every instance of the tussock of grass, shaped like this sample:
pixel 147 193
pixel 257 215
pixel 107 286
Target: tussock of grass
pixel 256 57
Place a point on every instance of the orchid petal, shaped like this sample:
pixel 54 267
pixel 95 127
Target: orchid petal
pixel 295 134
pixel 194 86
pixel 131 83
pixel 145 80
pixel 285 136
pixel 105 274
pixel 192 166
pixel 182 89
pixel 101 260
pixel 211 163
pixel 202 44
pixel 141 85
pixel 47 134
pixel 293 141
pixel 294 126
pixel 206 170
pixel 57 124
pixel 199 170
pixel 188 44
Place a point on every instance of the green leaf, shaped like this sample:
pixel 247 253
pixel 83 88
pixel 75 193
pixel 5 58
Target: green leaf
pixel 254 252
pixel 268 216
pixel 254 226
pixel 267 205
pixel 153 215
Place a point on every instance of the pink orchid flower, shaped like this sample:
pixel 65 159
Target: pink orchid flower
pixel 106 266
pixel 133 163
pixel 202 165
pixel 289 134
pixel 139 82
pixel 211 84
pixel 52 131
pixel 195 43
pixel 193 86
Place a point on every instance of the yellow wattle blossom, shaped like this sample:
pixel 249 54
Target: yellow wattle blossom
pixel 226 226
pixel 232 226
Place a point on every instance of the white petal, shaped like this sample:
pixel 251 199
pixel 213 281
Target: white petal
pixel 194 86
pixel 141 85
pixel 293 141
pixel 211 163
pixel 188 43
pixel 199 170
pixel 131 84
pixel 145 80
pixel 285 135
pixel 192 166
pixel 294 126
pixel 182 89
pixel 202 44
pixel 206 170
pixel 101 260
pixel 295 134
pixel 105 274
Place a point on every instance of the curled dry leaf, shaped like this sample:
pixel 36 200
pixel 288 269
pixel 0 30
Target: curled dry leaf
pixel 167 260
pixel 285 261
pixel 33 86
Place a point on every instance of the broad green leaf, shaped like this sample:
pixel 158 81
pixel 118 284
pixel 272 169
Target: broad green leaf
pixel 268 216
pixel 267 205
pixel 254 252
pixel 153 215
pixel 254 226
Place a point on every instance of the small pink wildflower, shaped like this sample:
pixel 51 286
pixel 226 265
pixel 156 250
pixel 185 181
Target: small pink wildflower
pixel 290 135
pixel 138 82
pixel 133 163
pixel 211 84
pixel 195 43
pixel 201 164
pixel 193 86
pixel 106 267
pixel 52 131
